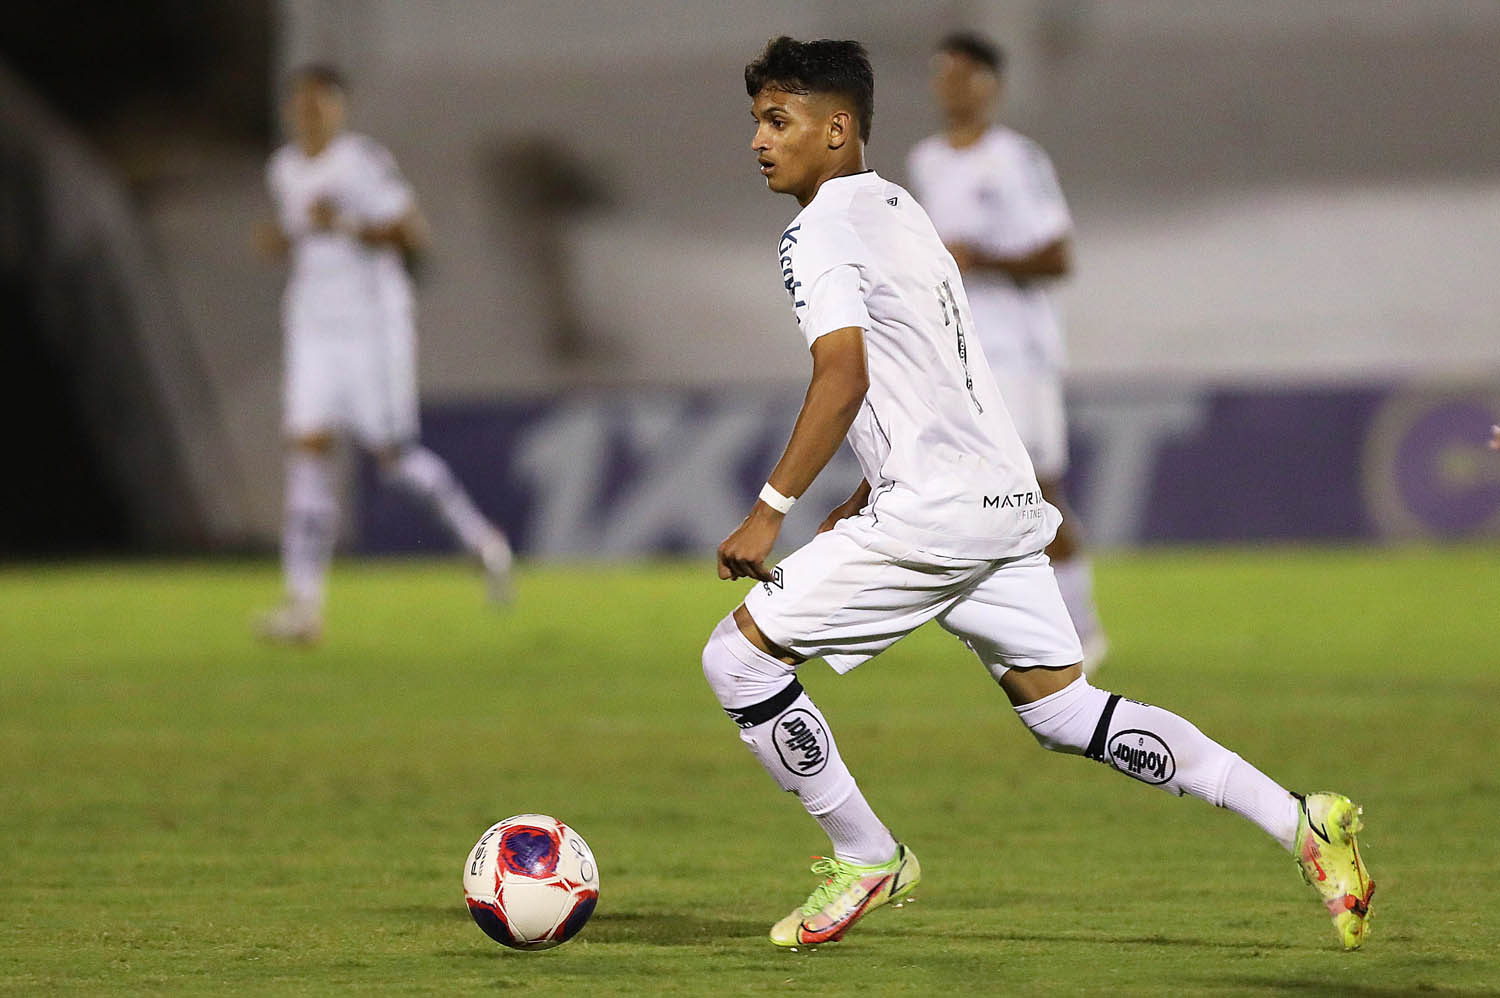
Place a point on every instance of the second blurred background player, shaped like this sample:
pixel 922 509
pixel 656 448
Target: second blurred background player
pixel 346 217
pixel 994 199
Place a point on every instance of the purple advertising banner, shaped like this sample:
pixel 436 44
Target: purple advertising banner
pixel 671 472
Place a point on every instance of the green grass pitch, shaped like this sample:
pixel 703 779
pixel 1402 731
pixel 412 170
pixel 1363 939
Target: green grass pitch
pixel 184 812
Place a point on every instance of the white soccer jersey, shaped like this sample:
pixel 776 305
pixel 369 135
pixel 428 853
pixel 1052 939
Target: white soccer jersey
pixel 946 469
pixel 337 285
pixel 1001 196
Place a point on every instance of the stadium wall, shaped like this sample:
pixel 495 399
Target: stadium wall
pixel 1278 196
pixel 621 474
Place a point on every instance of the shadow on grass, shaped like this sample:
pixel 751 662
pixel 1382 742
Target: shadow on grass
pixel 650 928
pixel 657 928
pixel 429 912
pixel 1107 939
pixel 1322 986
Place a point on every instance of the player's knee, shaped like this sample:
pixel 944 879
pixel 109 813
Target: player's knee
pixel 388 459
pixel 395 460
pixel 737 671
pixel 317 444
pixel 721 667
pixel 1066 720
pixel 414 468
pixel 715 665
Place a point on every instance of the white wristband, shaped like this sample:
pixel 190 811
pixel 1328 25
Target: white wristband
pixel 776 500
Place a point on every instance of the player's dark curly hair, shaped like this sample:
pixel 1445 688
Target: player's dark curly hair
pixel 975 46
pixel 818 67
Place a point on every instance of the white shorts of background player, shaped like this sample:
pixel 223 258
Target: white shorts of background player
pixel 1035 403
pixel 361 382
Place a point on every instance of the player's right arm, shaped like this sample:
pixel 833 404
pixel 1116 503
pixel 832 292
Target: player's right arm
pixel 270 236
pixel 269 241
pixel 834 396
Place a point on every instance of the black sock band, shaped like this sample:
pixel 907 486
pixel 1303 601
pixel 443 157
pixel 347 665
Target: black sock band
pixel 1095 750
pixel 760 713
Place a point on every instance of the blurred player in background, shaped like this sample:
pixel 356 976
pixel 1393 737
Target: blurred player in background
pixel 996 203
pixel 346 219
pixel 947 525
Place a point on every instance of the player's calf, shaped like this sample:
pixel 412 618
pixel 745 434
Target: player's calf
pixel 788 735
pixel 1161 749
pixel 778 722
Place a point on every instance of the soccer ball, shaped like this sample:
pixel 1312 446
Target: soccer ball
pixel 531 882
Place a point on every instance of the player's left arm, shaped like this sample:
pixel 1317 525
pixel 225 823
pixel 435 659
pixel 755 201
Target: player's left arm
pixel 837 390
pixel 1051 260
pixel 384 203
pixel 408 232
pixel 849 507
pixel 1036 217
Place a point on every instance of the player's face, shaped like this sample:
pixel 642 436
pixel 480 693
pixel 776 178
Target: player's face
pixel 315 113
pixel 964 88
pixel 792 141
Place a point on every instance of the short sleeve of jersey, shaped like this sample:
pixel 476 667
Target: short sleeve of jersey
pixel 825 280
pixel 381 192
pixel 1038 212
pixel 833 302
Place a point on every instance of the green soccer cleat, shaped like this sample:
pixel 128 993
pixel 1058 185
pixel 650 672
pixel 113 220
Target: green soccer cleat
pixel 847 894
pixel 1329 859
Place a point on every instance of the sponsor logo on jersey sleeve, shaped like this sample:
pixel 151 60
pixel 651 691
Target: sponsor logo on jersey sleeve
pixel 788 278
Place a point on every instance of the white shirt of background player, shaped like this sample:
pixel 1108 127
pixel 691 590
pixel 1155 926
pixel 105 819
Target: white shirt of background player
pixel 998 198
pixel 340 282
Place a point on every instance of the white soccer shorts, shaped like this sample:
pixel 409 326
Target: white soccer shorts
pixel 852 592
pixel 1035 403
pixel 352 384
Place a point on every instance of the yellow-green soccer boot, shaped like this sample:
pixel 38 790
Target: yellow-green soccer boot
pixel 846 895
pixel 1329 859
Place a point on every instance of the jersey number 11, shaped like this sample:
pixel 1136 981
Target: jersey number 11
pixel 952 318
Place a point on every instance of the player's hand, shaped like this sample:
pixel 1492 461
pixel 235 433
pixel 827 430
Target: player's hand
pixel 323 215
pixel 744 552
pixel 1495 438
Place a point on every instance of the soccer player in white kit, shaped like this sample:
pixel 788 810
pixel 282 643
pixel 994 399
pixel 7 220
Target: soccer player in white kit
pixel 994 199
pixel 344 217
pixel 947 525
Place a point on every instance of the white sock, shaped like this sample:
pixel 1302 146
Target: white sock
pixel 1253 795
pixel 787 733
pixel 309 525
pixel 1075 581
pixel 427 477
pixel 858 835
pixel 1156 746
